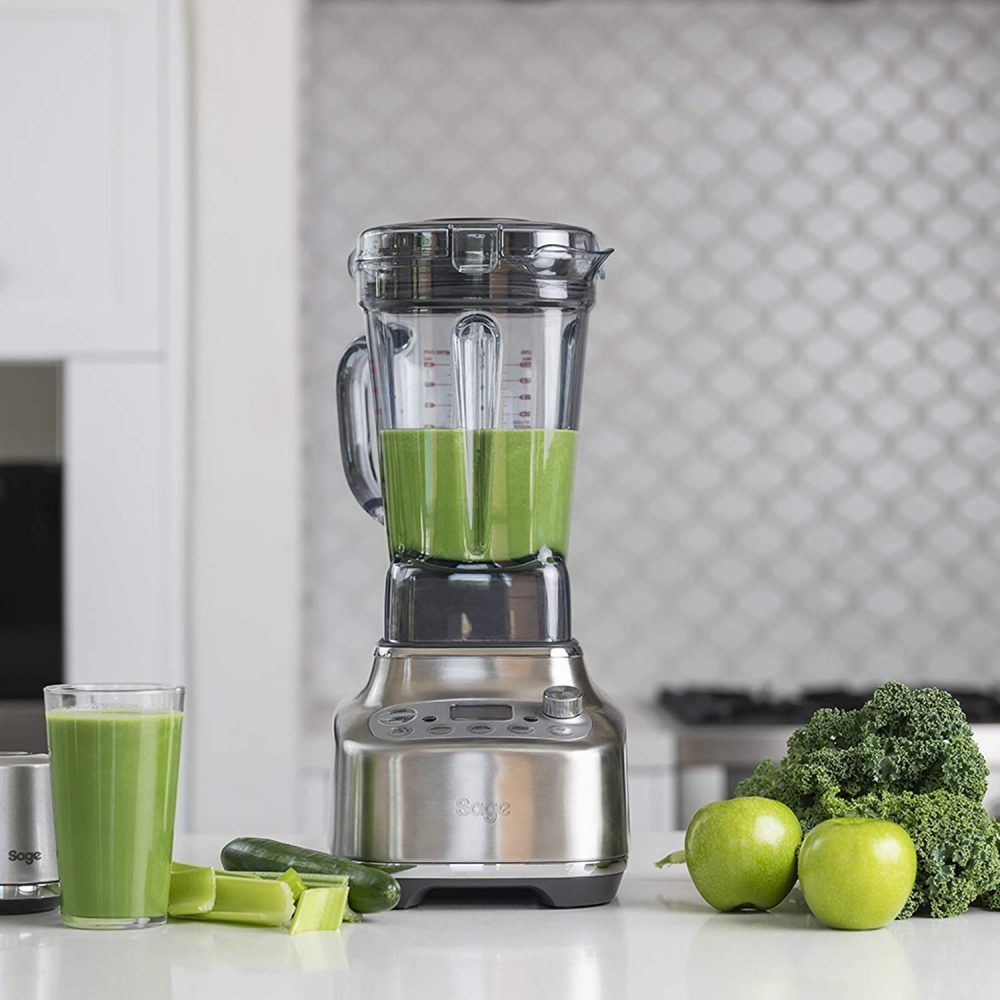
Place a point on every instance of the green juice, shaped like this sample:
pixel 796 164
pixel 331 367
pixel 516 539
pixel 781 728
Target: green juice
pixel 114 789
pixel 477 496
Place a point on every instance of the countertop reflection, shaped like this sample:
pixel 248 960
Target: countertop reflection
pixel 657 939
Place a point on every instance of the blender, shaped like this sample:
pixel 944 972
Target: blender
pixel 479 755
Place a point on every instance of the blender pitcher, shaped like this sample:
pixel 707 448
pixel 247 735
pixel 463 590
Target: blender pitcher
pixel 458 418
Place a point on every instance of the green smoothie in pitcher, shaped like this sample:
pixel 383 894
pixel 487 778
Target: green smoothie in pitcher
pixel 114 781
pixel 477 496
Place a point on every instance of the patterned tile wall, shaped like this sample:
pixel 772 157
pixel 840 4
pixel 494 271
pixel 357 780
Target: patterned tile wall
pixel 790 459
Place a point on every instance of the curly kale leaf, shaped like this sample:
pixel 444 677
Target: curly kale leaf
pixel 900 740
pixel 808 789
pixel 990 900
pixel 926 740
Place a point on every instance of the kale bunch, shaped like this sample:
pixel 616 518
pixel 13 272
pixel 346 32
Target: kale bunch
pixel 907 756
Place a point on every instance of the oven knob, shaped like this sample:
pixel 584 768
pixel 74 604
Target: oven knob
pixel 562 702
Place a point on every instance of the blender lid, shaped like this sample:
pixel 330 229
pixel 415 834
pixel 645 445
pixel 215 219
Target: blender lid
pixel 453 249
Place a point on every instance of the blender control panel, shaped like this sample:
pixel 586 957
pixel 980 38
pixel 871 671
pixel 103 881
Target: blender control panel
pixel 456 719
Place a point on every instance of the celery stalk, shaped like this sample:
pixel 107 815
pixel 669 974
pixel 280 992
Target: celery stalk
pixel 266 903
pixel 311 880
pixel 294 882
pixel 192 890
pixel 319 910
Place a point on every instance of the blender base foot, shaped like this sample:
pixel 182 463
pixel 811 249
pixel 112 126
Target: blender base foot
pixel 556 893
pixel 29 904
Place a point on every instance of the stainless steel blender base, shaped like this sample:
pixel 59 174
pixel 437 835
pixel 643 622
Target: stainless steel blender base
pixel 446 762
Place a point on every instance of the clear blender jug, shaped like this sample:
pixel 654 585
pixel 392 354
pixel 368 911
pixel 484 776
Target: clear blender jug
pixel 458 419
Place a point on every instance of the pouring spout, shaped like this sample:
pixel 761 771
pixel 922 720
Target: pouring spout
pixel 598 266
pixel 565 263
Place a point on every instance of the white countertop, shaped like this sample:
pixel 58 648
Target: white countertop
pixel 657 940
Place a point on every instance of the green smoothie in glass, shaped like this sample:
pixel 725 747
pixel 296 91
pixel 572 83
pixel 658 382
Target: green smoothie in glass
pixel 114 790
pixel 477 496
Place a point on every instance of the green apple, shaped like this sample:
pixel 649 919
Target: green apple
pixel 856 874
pixel 741 853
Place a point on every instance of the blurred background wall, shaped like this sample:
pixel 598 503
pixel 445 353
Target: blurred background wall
pixel 790 458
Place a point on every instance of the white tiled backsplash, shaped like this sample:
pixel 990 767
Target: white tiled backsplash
pixel 789 468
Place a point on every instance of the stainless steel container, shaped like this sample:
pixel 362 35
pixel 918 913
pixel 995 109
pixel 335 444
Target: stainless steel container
pixel 28 873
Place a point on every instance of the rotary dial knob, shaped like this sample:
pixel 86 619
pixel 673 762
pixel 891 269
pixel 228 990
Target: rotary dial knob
pixel 562 702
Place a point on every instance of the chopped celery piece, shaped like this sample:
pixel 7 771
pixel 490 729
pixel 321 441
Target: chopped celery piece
pixel 267 903
pixel 293 881
pixel 310 880
pixel 320 910
pixel 324 881
pixel 234 895
pixel 251 875
pixel 192 890
pixel 351 916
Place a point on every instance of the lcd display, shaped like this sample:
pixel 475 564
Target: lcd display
pixel 481 713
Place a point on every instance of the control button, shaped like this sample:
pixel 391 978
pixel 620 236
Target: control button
pixel 396 716
pixel 439 730
pixel 480 729
pixel 560 730
pixel 521 729
pixel 401 731
pixel 430 718
pixel 562 702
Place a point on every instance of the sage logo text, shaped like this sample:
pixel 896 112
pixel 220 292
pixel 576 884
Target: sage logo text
pixel 490 812
pixel 28 857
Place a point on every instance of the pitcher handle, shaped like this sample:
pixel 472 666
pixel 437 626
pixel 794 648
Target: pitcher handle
pixel 356 447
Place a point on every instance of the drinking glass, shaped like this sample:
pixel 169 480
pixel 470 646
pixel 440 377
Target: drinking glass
pixel 115 753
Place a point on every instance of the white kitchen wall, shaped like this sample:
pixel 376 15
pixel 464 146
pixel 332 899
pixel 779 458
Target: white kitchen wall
pixel 246 490
pixel 790 459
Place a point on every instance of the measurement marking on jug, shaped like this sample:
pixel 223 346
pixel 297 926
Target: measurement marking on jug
pixel 517 404
pixel 518 397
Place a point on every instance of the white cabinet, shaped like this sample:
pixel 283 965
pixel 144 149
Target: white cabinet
pixel 82 176
pixel 95 144
pixel 93 151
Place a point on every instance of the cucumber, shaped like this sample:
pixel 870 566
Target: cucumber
pixel 371 890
